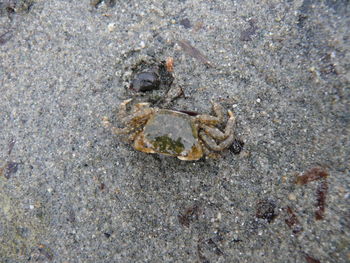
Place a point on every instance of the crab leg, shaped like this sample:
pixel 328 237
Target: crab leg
pixel 207 119
pixel 122 109
pixel 211 143
pixel 132 122
pixel 138 117
pixel 216 133
pixel 208 134
pixel 212 120
pixel 140 106
pixel 106 122
pixel 218 110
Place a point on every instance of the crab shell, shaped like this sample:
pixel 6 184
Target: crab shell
pixel 171 133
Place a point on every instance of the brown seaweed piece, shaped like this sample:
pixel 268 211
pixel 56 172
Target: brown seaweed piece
pixel 313 174
pixel 310 259
pixel 292 221
pixel 321 193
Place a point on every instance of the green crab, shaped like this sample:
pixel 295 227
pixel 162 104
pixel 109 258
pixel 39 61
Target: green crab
pixel 174 133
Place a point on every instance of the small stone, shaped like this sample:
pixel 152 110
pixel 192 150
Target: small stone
pixel 292 197
pixel 142 44
pixel 111 27
pixel 186 23
pixel 219 216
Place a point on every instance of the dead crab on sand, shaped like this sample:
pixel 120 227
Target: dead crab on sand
pixel 174 133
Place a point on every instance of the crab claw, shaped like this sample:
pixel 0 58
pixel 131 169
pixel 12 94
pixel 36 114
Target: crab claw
pixel 230 113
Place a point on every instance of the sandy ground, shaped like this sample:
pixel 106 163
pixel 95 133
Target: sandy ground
pixel 70 191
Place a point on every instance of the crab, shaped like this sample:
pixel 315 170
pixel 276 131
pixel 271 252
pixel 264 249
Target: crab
pixel 174 133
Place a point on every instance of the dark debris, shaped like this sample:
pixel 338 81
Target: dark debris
pixel 310 259
pixel 189 215
pixel 292 221
pixel 5 37
pixel 265 209
pixel 9 7
pixel 108 3
pixel 11 145
pixel 186 23
pixel 41 253
pixel 246 35
pixel 9 169
pixel 214 247
pixel 201 257
pixel 208 245
pixel 236 147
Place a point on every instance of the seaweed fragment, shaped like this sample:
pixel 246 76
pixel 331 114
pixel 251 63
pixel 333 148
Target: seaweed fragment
pixel 214 247
pixel 11 145
pixel 310 259
pixel 8 169
pixel 313 174
pixel 292 221
pixel 194 52
pixel 189 215
pixel 202 258
pixel 208 245
pixel 5 37
pixel 321 193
